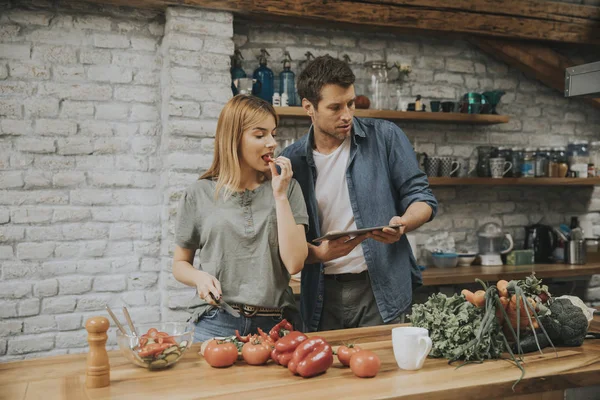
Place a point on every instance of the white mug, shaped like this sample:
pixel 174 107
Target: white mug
pixel 499 167
pixel 411 347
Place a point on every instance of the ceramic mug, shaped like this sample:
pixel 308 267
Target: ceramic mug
pixel 435 106
pixel 447 106
pixel 411 346
pixel 465 169
pixel 448 166
pixel 432 166
pixel 499 167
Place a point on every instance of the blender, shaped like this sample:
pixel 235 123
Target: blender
pixel 491 242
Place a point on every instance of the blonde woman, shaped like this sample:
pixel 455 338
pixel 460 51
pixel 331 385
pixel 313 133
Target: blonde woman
pixel 248 222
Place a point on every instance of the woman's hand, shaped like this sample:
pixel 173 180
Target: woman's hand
pixel 281 181
pixel 207 284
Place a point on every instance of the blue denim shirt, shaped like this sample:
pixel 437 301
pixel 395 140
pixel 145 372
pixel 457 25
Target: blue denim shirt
pixel 383 180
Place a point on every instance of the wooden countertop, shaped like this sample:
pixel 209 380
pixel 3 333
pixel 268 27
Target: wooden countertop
pixel 63 377
pixel 433 276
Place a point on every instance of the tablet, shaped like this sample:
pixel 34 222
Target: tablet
pixel 336 235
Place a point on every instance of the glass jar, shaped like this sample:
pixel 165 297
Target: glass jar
pixel 552 164
pixel 517 161
pixel 541 162
pixel 528 166
pixel 379 89
pixel 595 156
pixel 578 152
pixel 562 160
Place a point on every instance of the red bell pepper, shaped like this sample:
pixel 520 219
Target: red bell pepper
pixel 280 330
pixel 284 348
pixel 243 339
pixel 312 357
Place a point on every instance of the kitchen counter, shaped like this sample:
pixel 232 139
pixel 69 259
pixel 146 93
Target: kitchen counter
pixel 433 276
pixel 63 377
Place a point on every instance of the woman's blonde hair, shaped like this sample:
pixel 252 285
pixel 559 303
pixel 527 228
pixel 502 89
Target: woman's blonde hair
pixel 240 113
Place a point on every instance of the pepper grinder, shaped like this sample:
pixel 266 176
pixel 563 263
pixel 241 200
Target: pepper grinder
pixel 98 369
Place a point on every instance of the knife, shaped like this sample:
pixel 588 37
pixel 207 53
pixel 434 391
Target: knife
pixel 222 304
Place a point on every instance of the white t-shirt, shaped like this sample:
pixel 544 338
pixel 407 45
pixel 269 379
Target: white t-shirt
pixel 335 211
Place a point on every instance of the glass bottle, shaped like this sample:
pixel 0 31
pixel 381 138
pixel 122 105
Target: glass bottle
pixel 263 87
pixel 517 161
pixel 236 70
pixel 287 81
pixel 528 166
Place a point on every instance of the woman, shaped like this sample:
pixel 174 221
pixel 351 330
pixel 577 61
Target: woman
pixel 248 221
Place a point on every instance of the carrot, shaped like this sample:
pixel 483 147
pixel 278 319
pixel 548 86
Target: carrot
pixel 479 299
pixel 468 295
pixel 502 288
pixel 499 314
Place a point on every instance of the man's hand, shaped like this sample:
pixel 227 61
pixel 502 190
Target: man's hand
pixel 332 249
pixel 390 235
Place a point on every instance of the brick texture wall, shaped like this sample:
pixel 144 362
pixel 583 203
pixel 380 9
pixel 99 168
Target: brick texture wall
pixel 107 113
pixel 104 116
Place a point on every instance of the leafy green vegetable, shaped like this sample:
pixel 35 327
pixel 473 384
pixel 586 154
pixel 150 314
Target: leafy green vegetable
pixel 454 323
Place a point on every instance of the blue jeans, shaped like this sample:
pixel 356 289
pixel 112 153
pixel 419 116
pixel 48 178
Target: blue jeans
pixel 218 323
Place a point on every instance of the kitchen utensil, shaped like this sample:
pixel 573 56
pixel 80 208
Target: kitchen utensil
pixel 491 241
pixel 471 103
pixel 575 252
pixel 379 84
pixel 466 259
pixel 411 346
pixel 432 166
pixel 492 99
pixel 222 304
pixel 448 166
pixel 444 260
pixel 448 106
pixel 129 321
pixel 484 153
pixel 180 336
pixel 542 239
pixel 499 167
pixel 114 318
pixel 244 85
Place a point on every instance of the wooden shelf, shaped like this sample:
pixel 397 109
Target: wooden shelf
pixel 458 118
pixel 433 276
pixel 514 181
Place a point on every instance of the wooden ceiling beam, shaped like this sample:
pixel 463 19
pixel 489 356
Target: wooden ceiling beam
pixel 521 19
pixel 543 63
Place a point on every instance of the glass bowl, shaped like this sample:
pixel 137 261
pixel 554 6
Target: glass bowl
pixel 159 346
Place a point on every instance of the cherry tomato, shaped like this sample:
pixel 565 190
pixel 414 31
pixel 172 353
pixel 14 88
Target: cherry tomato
pixel 220 354
pixel 345 352
pixel 365 364
pixel 256 353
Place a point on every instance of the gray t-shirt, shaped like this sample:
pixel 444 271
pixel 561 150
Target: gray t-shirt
pixel 238 241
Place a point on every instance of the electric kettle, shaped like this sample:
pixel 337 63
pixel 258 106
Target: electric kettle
pixel 542 240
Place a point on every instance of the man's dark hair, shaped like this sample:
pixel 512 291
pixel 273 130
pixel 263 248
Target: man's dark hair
pixel 322 71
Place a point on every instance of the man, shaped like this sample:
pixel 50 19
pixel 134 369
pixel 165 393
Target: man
pixel 355 173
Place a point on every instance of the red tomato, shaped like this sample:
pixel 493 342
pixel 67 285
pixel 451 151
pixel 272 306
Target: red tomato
pixel 345 352
pixel 221 354
pixel 365 364
pixel 256 353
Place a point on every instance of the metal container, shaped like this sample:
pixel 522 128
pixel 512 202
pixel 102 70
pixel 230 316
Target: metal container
pixel 575 252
